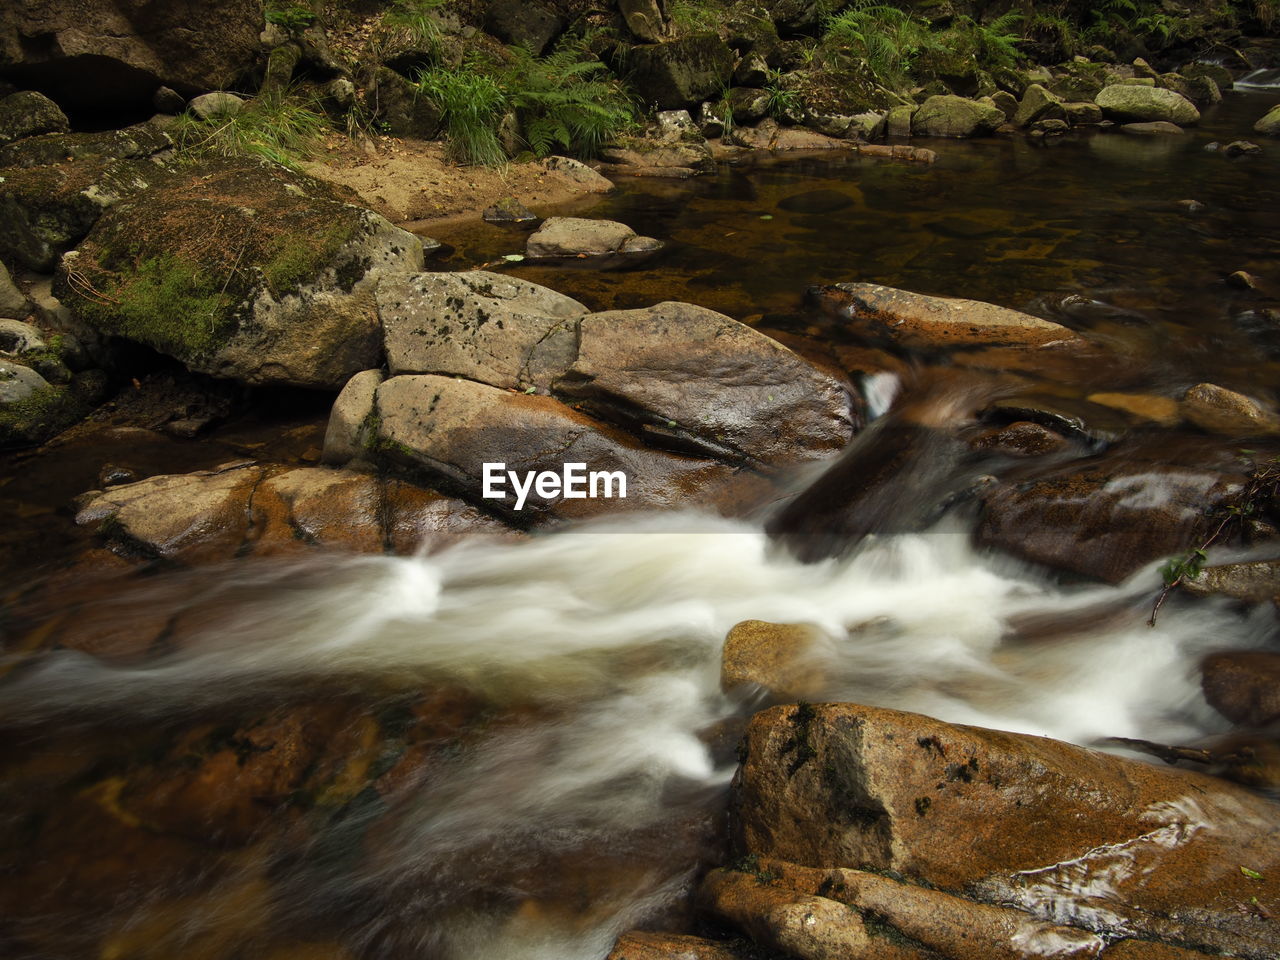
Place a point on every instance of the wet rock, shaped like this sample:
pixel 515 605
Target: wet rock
pixel 917 321
pixel 1050 127
pixel 898 121
pixel 1269 125
pixel 13 302
pixel 951 116
pixel 49 209
pixel 1243 280
pixel 495 329
pixel 28 113
pixel 690 378
pixel 955 927
pixel 1021 439
pixel 1251 582
pixel 768 134
pixel 783 658
pixel 1241 148
pixel 802 926
pixel 1218 410
pixel 1104 522
pixel 580 173
pixel 695 157
pixel 1244 685
pixel 682 73
pixel 1146 950
pixel 508 210
pixel 349 431
pixel 577 237
pixel 1110 846
pixel 1127 103
pixel 1144 407
pixel 1202 91
pixel 112 475
pixel 447 430
pixel 643 945
pixel 219 103
pixel 1036 103
pixel 1154 128
pixel 267 275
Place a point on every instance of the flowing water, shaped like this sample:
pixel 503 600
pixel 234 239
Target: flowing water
pixel 517 750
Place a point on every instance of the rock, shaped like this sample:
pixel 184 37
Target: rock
pixel 955 927
pixel 1202 91
pixel 1146 950
pixel 695 157
pixel 1036 103
pixel 1021 439
pixel 784 658
pixel 1251 582
pixel 1244 685
pixel 867 126
pixel 676 125
pixel 1007 103
pixel 1104 522
pixel 806 927
pixel 768 134
pixel 521 23
pixel 898 121
pixel 447 430
pixel 13 302
pixel 1080 81
pixel 169 101
pixel 1153 128
pixel 395 102
pixel 19 382
pixel 1045 824
pixel 28 113
pixel 687 377
pixel 242 271
pixel 19 337
pixel 1126 103
pixel 141 141
pixel 1269 125
pixel 749 105
pixel 681 73
pixel 102 52
pixel 508 210
pixel 710 121
pixel 1218 410
pixel 1242 280
pixel 350 431
pixel 580 173
pixel 47 210
pixel 644 19
pixel 1240 148
pixel 951 116
pixel 498 330
pixel 643 945
pixel 576 236
pixel 1082 114
pixel 220 103
pixel 917 321
pixel 1050 127
pixel 752 71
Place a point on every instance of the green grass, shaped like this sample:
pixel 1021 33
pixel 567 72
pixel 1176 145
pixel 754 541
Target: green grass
pixel 277 126
pixel 472 105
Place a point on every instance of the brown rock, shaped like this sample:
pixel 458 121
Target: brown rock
pixel 1104 522
pixel 691 378
pixel 1161 410
pixel 318 506
pixel 784 658
pixel 1254 582
pixel 1146 950
pixel 957 928
pixel 1219 410
pixel 1021 439
pixel 914 320
pixel 1106 844
pixel 577 236
pixel 642 945
pixel 1243 686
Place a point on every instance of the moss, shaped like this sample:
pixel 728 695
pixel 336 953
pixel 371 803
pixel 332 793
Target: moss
pixel 295 258
pixel 39 416
pixel 168 303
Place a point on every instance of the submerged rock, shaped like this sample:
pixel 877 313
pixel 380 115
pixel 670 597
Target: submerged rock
pixel 243 271
pixel 1077 838
pixel 1128 103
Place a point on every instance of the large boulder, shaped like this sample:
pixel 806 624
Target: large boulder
pixel 1105 521
pixel 689 377
pixel 90 52
pixel 498 330
pixel 522 23
pixel 918 321
pixel 682 73
pixel 138 142
pixel 1104 845
pixel 28 113
pixel 952 116
pixel 1129 103
pixel 1270 123
pixel 244 271
pixel 448 431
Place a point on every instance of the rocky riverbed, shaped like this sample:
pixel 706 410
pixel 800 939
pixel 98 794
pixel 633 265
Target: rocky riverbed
pixel 916 595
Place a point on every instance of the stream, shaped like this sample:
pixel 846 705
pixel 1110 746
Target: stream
pixel 518 750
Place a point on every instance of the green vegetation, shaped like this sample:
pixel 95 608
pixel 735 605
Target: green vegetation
pixel 563 101
pixel 39 416
pixel 293 17
pixel 278 126
pixel 782 101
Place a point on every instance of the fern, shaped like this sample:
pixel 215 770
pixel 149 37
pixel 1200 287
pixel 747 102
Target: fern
pixel 886 39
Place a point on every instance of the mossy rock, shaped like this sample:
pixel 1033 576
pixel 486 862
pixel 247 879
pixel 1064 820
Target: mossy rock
pixel 241 270
pixel 32 410
pixel 130 143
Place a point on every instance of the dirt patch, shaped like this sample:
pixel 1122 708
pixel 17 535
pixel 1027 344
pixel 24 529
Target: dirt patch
pixel 410 180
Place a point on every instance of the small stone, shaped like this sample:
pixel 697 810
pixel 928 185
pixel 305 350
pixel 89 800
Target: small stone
pixel 781 657
pixel 166 100
pixel 676 125
pixel 216 104
pixel 1243 280
pixel 1021 439
pixel 1240 148
pixel 1156 409
pixel 19 337
pixel 112 475
pixel 641 245
pixel 1218 410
